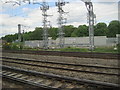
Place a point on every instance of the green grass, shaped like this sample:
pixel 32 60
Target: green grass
pixel 97 49
pixel 105 50
pixel 74 49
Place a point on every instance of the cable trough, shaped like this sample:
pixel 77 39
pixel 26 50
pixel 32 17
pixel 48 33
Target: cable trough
pixel 18 74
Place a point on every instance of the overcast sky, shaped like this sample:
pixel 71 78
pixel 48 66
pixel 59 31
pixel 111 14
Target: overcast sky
pixel 31 15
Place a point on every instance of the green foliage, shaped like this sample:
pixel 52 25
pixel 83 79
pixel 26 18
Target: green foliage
pixel 6 46
pixel 100 29
pixel 105 50
pixel 97 49
pixel 15 46
pixel 10 38
pixel 81 31
pixel 74 33
pixel 53 32
pixel 27 35
pixel 118 47
pixel 113 28
pixel 37 34
pixel 11 46
pixel 73 49
pixel 68 30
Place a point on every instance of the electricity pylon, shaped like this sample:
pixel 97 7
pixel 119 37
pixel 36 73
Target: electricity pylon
pixel 61 21
pixel 44 7
pixel 91 20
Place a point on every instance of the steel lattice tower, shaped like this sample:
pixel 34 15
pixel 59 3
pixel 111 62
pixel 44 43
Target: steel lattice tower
pixel 44 9
pixel 61 19
pixel 91 17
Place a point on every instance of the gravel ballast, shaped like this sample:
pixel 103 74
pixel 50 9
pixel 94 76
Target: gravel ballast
pixel 75 60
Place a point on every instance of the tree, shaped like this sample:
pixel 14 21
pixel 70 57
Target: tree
pixel 68 30
pixel 81 31
pixel 100 29
pixel 27 35
pixel 113 28
pixel 74 33
pixel 10 38
pixel 53 32
pixel 36 34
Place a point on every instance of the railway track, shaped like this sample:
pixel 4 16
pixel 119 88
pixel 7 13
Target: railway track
pixel 50 81
pixel 69 54
pixel 97 73
pixel 64 66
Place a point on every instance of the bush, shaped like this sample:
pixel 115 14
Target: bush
pixel 7 46
pixel 73 49
pixel 15 47
pixel 118 47
pixel 11 46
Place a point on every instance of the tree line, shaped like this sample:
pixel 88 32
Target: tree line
pixel 100 29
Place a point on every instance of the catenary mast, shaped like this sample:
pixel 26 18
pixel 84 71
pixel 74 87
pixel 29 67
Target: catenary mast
pixel 61 20
pixel 91 20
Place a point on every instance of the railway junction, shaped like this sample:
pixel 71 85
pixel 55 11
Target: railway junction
pixel 48 69
pixel 60 70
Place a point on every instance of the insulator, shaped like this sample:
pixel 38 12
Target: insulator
pixel 64 3
pixel 94 16
pixel 67 2
pixel 48 7
pixel 41 8
pixel 56 3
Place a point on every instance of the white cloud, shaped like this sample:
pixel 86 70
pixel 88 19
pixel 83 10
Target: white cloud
pixel 105 12
pixel 105 0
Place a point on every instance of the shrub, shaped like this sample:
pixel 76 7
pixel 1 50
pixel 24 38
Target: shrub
pixel 11 46
pixel 7 46
pixel 15 47
pixel 118 47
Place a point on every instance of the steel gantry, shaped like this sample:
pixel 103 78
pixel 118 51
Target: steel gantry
pixel 44 7
pixel 91 20
pixel 61 21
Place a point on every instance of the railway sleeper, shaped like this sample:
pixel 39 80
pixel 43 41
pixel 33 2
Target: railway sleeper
pixel 69 79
